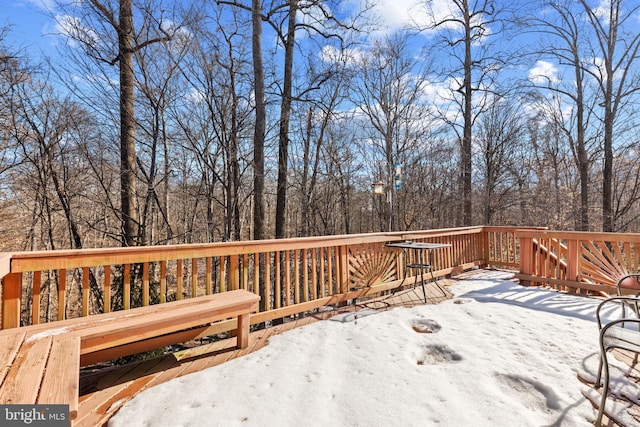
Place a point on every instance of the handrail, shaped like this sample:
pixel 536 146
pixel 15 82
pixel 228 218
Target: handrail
pixel 292 275
pixel 577 261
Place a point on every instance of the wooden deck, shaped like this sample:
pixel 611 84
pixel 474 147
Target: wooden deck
pixel 104 391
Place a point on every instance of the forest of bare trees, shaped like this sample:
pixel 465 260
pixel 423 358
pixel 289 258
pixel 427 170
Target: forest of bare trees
pixel 152 123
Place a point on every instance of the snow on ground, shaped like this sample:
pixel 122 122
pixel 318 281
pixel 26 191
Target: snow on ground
pixel 498 354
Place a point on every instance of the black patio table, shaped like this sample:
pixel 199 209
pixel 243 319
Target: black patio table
pixel 419 248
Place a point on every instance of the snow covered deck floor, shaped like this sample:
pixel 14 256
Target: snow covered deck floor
pixel 104 391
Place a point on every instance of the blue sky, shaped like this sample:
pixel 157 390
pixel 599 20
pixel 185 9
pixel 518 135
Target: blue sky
pixel 34 30
pixel 30 26
pixel 33 27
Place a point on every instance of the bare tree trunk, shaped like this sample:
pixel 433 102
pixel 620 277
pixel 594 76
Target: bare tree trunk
pixel 465 148
pixel 127 124
pixel 259 130
pixel 618 50
pixel 305 187
pixel 285 114
pixel 607 170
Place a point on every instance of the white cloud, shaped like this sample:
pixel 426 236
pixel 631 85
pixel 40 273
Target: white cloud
pixel 73 28
pixel 350 57
pixel 602 11
pixel 544 73
pixel 598 67
pixel 394 15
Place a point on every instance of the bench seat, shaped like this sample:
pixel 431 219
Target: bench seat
pixel 41 363
pixel 40 371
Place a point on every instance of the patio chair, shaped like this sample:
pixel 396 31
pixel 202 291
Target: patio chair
pixel 616 334
pixel 630 282
pixel 630 285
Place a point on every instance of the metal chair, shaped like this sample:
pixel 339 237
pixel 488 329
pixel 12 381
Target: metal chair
pixel 629 281
pixel 616 334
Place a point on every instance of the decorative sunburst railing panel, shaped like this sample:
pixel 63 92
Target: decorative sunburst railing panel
pixel 371 264
pixel 605 262
pixel 574 260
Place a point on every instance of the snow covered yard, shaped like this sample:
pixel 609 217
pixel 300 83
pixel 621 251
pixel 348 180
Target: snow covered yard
pixel 497 354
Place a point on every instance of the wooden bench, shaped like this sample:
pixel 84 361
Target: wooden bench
pixel 41 363
pixel 41 371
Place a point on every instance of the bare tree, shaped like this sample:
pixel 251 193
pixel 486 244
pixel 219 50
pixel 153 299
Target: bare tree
pixel 106 33
pixel 158 69
pixel 565 28
pixel 388 90
pixel 500 133
pixel 260 122
pixel 282 17
pixel 14 72
pixel 50 131
pixel 616 50
pixel 466 32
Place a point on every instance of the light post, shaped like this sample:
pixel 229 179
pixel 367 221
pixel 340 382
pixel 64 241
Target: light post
pixel 379 188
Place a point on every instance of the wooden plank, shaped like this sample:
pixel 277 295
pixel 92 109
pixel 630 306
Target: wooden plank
pixel 222 279
pixel 163 281
pixel 60 383
pixel 194 277
pixel 256 274
pixel 122 332
pixel 78 324
pixel 322 283
pixel 99 415
pixel 244 321
pixel 106 288
pixel 145 283
pixel 126 286
pixel 157 342
pixel 25 375
pixel 35 303
pixel 208 274
pixel 11 300
pixel 296 277
pixel 314 275
pixel 267 282
pixel 103 379
pixel 278 284
pixel 85 291
pixel 9 350
pixel 62 294
pixel 128 329
pixel 234 272
pixel 178 280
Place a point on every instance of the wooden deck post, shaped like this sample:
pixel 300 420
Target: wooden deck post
pixel 11 300
pixel 526 255
pixel 486 249
pixel 573 261
pixel 244 322
pixel 344 268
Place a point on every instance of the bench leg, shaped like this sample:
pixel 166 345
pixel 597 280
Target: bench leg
pixel 244 321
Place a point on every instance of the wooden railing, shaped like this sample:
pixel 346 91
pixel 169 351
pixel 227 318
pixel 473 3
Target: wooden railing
pixel 577 261
pixel 292 275
pixel 295 275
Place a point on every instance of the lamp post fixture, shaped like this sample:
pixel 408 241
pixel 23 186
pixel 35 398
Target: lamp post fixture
pixel 379 188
